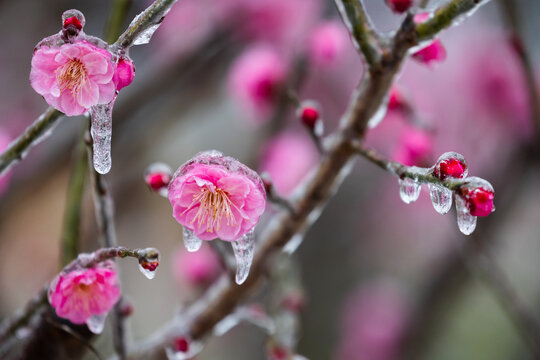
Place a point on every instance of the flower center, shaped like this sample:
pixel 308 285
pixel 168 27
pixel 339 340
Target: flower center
pixel 214 207
pixel 71 76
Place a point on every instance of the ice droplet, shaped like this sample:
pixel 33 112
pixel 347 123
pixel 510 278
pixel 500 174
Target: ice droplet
pixel 409 190
pixel 191 242
pixel 243 252
pixel 441 198
pixel 466 222
pixel 101 134
pixel 96 323
pixel 149 274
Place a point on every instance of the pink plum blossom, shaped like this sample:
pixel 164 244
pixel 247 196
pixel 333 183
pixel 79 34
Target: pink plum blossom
pixel 82 293
pixel 328 43
pixel 124 73
pixel 432 53
pixel 215 196
pixel 288 158
pixel 198 268
pixel 255 79
pixel 73 77
pixel 372 323
pixel 414 148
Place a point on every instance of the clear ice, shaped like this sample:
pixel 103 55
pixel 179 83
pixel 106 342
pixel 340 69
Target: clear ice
pixel 191 242
pixel 243 252
pixel 96 323
pixel 441 198
pixel 409 190
pixel 149 274
pixel 146 35
pixel 466 222
pixel 101 131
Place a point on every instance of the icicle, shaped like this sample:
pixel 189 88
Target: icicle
pixel 101 131
pixel 409 190
pixel 226 324
pixel 145 36
pixel 191 242
pixel 441 198
pixel 293 243
pixel 243 252
pixel 466 222
pixel 96 323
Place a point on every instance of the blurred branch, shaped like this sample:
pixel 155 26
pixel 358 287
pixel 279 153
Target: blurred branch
pixel 152 16
pixel 445 16
pixel 334 166
pixel 363 33
pixel 72 213
pixel 117 18
pixel 509 10
pixel 33 135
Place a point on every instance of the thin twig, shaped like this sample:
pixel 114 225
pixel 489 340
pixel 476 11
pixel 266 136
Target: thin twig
pixel 509 11
pixel 363 33
pixel 33 135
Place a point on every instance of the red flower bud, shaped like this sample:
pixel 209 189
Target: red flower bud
pixel 399 6
pixel 450 165
pixel 181 344
pixel 310 115
pixel 157 176
pixel 480 201
pixel 73 21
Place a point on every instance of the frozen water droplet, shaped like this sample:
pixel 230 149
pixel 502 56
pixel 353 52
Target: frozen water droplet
pixel 148 273
pixel 379 114
pixel 96 323
pixel 243 252
pixel 466 222
pixel 409 190
pixel 101 134
pixel 441 198
pixel 191 242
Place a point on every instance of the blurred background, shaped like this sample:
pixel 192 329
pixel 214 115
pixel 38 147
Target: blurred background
pixel 379 276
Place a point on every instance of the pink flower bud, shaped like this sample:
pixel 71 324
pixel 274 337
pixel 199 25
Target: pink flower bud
pixel 181 344
pixel 414 148
pixel 124 74
pixel 294 301
pixel 310 115
pixel 216 196
pixel 399 6
pixel 157 181
pixel 451 165
pixel 276 352
pixel 327 43
pixel 80 294
pixel 432 53
pixel 478 195
pixel 396 100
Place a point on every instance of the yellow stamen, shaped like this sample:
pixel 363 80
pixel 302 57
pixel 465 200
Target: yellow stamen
pixel 71 76
pixel 213 207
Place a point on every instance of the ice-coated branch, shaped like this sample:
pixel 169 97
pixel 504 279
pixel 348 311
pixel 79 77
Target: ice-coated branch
pixel 10 325
pixel 334 166
pixel 147 20
pixel 411 172
pixel 362 31
pixel 36 132
pixel 445 16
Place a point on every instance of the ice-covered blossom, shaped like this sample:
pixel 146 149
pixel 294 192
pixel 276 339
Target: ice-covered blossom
pixel 157 177
pixel 81 294
pixel 399 6
pixel 215 196
pixel 478 195
pixel 199 268
pixel 432 53
pixel 73 77
pixel 288 158
pixel 309 113
pixel 124 74
pixel 255 80
pixel 327 43
pixel 450 165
